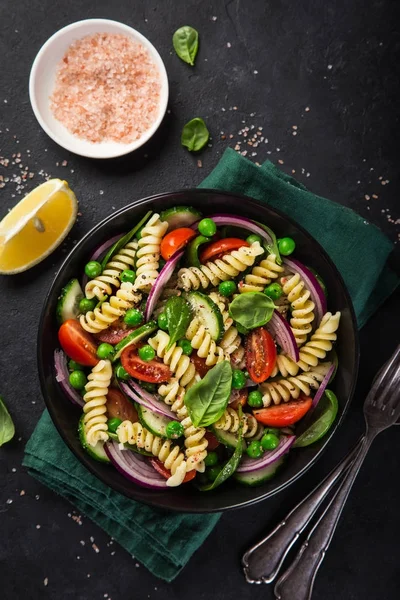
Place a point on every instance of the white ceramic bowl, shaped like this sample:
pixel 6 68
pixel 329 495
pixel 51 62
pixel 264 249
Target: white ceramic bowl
pixel 42 79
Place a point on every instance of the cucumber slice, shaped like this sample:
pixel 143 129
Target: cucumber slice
pixel 208 314
pixel 97 452
pixel 68 302
pixel 134 337
pixel 155 423
pixel 180 216
pixel 259 476
pixel 228 439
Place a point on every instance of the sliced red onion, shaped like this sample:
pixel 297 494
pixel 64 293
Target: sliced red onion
pixel 163 277
pixel 62 376
pixel 134 467
pixel 237 221
pixel 146 399
pixel 322 388
pixel 281 331
pixel 249 465
pixel 317 293
pixel 97 253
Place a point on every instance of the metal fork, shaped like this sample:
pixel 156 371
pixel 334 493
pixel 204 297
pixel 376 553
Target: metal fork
pixel 381 410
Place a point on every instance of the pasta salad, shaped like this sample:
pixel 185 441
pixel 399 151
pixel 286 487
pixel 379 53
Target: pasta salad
pixel 199 349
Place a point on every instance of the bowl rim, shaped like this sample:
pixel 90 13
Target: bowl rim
pixel 88 462
pixel 124 148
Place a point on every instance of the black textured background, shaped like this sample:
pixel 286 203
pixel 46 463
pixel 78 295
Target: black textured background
pixel 338 59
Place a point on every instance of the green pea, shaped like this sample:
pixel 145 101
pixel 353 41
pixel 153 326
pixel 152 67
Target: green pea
pixel 78 380
pixel 211 459
pixel 162 321
pixel 93 269
pixel 133 317
pixel 227 288
pixel 274 291
pixel 85 305
pixel 207 227
pixel 121 373
pixel 146 353
pixel 254 449
pixel 128 276
pixel 253 238
pixel 174 430
pixel 149 387
pixel 269 441
pixel 105 351
pixel 254 399
pixel 213 472
pixel 74 366
pixel 113 424
pixel 286 246
pixel 238 379
pixel 186 347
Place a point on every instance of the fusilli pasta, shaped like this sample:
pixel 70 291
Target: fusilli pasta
pixel 180 364
pixel 148 254
pixel 202 341
pixel 261 275
pixel 230 421
pixel 231 342
pixel 302 307
pixel 285 389
pixel 96 390
pixel 103 284
pixel 104 315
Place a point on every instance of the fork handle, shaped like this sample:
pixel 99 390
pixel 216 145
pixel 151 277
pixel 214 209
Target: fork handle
pixel 263 560
pixel 298 580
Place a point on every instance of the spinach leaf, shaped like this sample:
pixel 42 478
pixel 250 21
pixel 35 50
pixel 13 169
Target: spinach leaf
pixel 252 309
pixel 207 399
pixel 179 314
pixel 195 135
pixel 232 464
pixel 115 248
pixel 273 247
pixel 186 43
pixel 7 429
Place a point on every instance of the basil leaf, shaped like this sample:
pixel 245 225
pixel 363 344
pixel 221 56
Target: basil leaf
pixel 115 248
pixel 207 399
pixel 7 429
pixel 195 135
pixel 273 247
pixel 252 309
pixel 232 464
pixel 186 43
pixel 179 314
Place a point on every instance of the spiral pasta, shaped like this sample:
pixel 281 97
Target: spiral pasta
pixel 285 366
pixel 165 450
pixel 230 422
pixel 261 275
pixel 227 267
pixel 96 389
pixel 231 342
pixel 109 278
pixel 202 341
pixel 285 389
pixel 302 307
pixel 180 364
pixel 104 315
pixel 148 254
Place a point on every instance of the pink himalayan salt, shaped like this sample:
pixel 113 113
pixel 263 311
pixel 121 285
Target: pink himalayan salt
pixel 107 89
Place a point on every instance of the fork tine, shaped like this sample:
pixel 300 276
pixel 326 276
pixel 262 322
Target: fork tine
pixel 392 391
pixel 385 376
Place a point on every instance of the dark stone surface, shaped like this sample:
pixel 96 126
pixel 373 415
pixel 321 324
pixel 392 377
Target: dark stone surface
pixel 278 64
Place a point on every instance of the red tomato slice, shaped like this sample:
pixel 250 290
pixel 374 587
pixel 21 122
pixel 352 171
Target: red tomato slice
pixel 284 414
pixel 260 354
pixel 238 397
pixel 152 371
pixel 115 333
pixel 213 443
pixel 77 343
pixel 160 468
pixel 119 406
pixel 176 240
pixel 221 247
pixel 200 364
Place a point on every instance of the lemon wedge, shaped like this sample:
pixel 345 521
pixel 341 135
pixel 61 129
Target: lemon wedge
pixel 36 226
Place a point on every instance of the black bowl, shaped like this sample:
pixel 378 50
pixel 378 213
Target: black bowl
pixel 231 495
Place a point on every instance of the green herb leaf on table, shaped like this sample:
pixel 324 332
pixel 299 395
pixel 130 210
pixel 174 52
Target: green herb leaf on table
pixel 195 135
pixel 179 315
pixel 252 309
pixel 232 464
pixel 186 43
pixel 115 248
pixel 7 429
pixel 207 399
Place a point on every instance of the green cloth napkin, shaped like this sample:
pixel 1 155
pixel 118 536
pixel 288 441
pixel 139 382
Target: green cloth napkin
pixel 163 541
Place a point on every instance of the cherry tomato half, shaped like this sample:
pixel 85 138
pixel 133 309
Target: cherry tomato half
pixel 152 371
pixel 118 406
pixel 221 247
pixel 284 414
pixel 200 364
pixel 176 240
pixel 260 354
pixel 160 468
pixel 238 397
pixel 115 333
pixel 77 343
